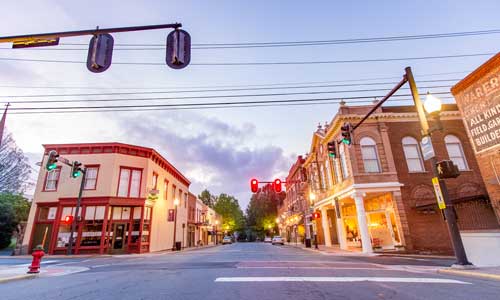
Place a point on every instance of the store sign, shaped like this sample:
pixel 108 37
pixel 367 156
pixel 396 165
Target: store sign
pixel 480 106
pixel 439 193
pixel 171 215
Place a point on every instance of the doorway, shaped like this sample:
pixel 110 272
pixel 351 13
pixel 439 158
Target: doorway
pixel 119 240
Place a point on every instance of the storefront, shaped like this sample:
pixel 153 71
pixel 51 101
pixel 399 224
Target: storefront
pixel 381 221
pixel 102 227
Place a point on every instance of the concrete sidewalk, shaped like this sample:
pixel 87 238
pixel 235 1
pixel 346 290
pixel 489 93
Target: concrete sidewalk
pixel 492 273
pixel 330 250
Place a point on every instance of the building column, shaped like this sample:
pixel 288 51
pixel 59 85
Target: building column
pixel 362 224
pixel 340 227
pixel 326 227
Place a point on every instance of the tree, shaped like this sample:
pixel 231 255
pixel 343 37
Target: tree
pixel 232 216
pixel 13 209
pixel 262 210
pixel 207 198
pixel 14 167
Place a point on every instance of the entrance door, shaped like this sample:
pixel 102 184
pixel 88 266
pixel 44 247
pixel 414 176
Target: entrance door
pixel 380 230
pixel 119 241
pixel 42 236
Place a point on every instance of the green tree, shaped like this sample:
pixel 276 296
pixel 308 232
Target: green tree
pixel 207 198
pixel 13 209
pixel 262 210
pixel 14 167
pixel 232 216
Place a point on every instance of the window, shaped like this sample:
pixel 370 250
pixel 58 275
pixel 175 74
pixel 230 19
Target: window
pixel 329 172
pixel 165 189
pixel 174 189
pixel 343 162
pixel 92 226
pixel 369 155
pixel 413 155
pixel 47 213
pixel 52 179
pixel 130 182
pixel 456 152
pixel 91 178
pixel 65 229
pixel 155 180
pixel 146 226
pixel 180 198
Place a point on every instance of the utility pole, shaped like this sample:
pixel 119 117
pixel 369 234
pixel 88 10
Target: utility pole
pixel 77 210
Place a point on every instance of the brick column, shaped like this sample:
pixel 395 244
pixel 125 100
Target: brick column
pixel 362 224
pixel 401 220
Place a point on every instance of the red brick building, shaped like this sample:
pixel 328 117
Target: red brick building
pixel 377 193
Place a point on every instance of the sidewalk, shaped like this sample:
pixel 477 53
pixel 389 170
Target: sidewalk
pixel 330 250
pixel 492 273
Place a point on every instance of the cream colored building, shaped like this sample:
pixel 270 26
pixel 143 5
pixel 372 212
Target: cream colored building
pixel 127 203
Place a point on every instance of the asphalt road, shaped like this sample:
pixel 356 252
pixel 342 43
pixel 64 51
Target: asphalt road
pixel 252 271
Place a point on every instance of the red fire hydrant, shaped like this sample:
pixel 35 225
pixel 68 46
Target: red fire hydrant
pixel 37 259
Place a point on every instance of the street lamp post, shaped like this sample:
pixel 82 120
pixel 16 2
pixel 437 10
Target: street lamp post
pixel 176 203
pixel 312 199
pixel 433 106
pixel 216 223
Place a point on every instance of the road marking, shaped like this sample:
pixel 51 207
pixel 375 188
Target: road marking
pixel 339 279
pixel 100 266
pixel 326 268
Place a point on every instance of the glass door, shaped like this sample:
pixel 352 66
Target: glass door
pixel 380 230
pixel 119 241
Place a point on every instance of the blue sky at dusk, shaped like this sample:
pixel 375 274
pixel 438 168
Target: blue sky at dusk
pixel 221 149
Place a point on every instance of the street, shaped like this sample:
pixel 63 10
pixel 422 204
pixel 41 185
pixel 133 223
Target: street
pixel 252 271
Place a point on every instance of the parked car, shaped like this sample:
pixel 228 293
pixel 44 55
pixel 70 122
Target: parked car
pixel 227 240
pixel 278 240
pixel 268 239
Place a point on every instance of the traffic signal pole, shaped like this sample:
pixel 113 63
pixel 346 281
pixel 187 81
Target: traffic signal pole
pixel 77 210
pixel 449 212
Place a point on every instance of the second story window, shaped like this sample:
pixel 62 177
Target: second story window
pixel 91 178
pixel 130 182
pixel 413 155
pixel 456 152
pixel 369 155
pixel 165 189
pixel 155 181
pixel 52 179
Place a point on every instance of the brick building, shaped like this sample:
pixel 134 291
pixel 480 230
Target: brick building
pixel 117 214
pixel 377 193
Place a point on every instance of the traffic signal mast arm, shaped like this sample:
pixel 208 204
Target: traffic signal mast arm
pixel 54 35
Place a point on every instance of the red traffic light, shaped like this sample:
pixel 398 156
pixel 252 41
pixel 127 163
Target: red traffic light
pixel 277 185
pixel 68 219
pixel 254 185
pixel 316 215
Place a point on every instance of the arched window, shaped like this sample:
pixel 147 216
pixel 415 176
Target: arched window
pixel 456 152
pixel 413 155
pixel 369 155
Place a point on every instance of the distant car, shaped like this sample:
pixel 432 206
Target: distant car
pixel 268 239
pixel 227 240
pixel 278 240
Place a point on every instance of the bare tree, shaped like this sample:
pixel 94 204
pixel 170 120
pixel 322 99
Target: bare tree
pixel 14 167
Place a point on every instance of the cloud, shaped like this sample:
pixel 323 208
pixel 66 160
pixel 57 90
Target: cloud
pixel 209 152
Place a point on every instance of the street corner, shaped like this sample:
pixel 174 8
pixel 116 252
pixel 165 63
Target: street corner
pixel 490 273
pixel 13 276
pixel 52 271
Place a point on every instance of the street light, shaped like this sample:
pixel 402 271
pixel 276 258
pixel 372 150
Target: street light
pixel 176 203
pixel 432 104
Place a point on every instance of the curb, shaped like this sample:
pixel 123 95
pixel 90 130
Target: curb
pixel 469 274
pixel 17 277
pixel 415 255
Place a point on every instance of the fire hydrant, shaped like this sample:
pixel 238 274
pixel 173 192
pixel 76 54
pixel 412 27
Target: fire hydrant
pixel 37 259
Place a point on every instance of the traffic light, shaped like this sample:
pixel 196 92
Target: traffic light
pixel 52 160
pixel 447 169
pixel 316 215
pixel 346 133
pixel 100 52
pixel 178 49
pixel 68 220
pixel 332 149
pixel 277 185
pixel 254 185
pixel 76 171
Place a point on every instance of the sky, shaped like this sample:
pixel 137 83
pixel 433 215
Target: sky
pixel 221 149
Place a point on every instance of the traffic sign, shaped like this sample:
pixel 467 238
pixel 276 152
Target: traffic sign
pixel 439 194
pixel 178 49
pixel 100 52
pixel 32 43
pixel 427 149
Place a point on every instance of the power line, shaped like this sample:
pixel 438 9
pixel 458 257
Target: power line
pixel 216 90
pixel 263 63
pixel 200 103
pixel 296 43
pixel 227 86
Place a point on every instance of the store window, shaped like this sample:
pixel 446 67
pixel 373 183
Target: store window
pixel 369 155
pixel 52 179
pixel 136 224
pixel 456 152
pixel 65 229
pixel 146 227
pixel 121 213
pixel 413 156
pixel 92 226
pixel 91 178
pixel 130 181
pixel 47 213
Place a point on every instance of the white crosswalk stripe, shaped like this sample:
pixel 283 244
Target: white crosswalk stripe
pixel 340 279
